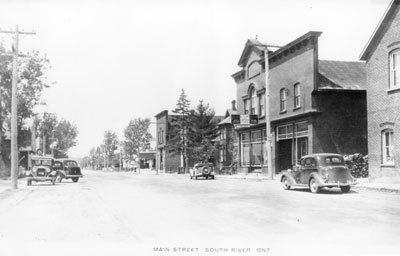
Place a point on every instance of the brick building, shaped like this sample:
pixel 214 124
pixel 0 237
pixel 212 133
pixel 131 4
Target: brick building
pixel 165 161
pixel 315 105
pixel 382 56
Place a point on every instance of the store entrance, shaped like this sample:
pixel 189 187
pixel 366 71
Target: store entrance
pixel 284 155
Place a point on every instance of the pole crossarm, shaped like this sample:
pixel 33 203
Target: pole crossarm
pixel 17 31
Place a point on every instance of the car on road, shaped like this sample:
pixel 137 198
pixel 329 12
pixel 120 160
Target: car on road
pixel 205 170
pixel 42 170
pixel 67 169
pixel 316 171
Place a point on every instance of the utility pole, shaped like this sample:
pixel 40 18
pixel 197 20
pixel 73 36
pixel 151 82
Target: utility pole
pixel 267 116
pixel 267 112
pixel 14 104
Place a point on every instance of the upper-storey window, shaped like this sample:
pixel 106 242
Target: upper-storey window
pixel 261 105
pixel 394 69
pixel 296 95
pixel 254 98
pixel 246 107
pixel 253 69
pixel 283 99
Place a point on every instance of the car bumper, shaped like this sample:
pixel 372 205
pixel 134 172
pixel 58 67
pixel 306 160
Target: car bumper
pixel 41 178
pixel 73 176
pixel 339 184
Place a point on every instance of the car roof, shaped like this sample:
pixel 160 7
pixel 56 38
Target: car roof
pixel 321 154
pixel 41 157
pixel 65 159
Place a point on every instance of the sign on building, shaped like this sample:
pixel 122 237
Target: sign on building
pixel 244 120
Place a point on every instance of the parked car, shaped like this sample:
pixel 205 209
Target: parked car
pixel 205 170
pixel 67 169
pixel 42 170
pixel 318 171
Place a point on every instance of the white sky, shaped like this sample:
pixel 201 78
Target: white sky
pixel 113 61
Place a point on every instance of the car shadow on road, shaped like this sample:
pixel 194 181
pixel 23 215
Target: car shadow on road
pixel 325 191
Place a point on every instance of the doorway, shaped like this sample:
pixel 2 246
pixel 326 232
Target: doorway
pixel 284 155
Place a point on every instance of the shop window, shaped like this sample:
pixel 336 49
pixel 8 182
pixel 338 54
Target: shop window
pixel 296 95
pixel 301 129
pixel 245 149
pixel 394 69
pixel 285 132
pixel 387 147
pixel 283 99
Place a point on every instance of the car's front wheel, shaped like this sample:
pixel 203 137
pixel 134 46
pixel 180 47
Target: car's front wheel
pixel 53 180
pixel 314 186
pixel 75 179
pixel 29 182
pixel 345 189
pixel 285 183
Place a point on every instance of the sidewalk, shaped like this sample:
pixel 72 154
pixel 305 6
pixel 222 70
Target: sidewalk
pixel 382 184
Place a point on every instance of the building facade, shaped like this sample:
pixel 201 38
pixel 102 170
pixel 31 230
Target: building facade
pixel 382 56
pixel 315 105
pixel 165 161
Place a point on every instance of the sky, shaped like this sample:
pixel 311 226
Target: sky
pixel 113 61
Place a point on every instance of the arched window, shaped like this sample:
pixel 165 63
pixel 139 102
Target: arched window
pixel 254 107
pixel 283 99
pixel 394 69
pixel 387 147
pixel 296 89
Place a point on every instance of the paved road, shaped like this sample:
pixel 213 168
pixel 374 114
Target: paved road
pixel 131 212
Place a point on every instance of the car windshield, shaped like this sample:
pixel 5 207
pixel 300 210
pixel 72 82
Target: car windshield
pixel 47 162
pixel 70 163
pixel 332 160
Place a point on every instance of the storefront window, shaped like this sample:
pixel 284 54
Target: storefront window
pixel 256 145
pixel 245 149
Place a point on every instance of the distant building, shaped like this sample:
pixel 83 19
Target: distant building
pixel 315 105
pixel 382 56
pixel 165 160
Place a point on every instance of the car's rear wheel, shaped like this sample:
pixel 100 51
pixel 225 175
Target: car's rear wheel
pixel 285 183
pixel 314 186
pixel 345 189
pixel 28 182
pixel 75 179
pixel 53 180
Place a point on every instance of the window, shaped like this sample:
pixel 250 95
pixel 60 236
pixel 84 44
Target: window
pixel 387 147
pixel 256 148
pixel 394 68
pixel 253 102
pixel 245 149
pixel 261 100
pixel 283 97
pixel 285 132
pixel 222 155
pixel 223 134
pixel 296 95
pixel 246 107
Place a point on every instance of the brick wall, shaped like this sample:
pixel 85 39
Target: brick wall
pixel 383 106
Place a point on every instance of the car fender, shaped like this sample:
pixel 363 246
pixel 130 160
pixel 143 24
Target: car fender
pixel 317 178
pixel 289 177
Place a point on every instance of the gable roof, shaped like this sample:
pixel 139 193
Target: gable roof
pixel 380 30
pixel 251 44
pixel 341 75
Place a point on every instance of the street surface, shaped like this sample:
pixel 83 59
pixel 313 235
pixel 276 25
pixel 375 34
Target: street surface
pixel 111 213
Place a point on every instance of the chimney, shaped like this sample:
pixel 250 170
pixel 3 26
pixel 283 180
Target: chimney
pixel 233 104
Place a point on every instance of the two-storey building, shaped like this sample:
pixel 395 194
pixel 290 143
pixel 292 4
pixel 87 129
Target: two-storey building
pixel 382 56
pixel 315 105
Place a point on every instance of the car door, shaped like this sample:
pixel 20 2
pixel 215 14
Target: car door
pixel 308 166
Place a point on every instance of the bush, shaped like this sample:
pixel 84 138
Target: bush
pixel 358 165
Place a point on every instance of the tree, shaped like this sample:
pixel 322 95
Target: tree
pixel 31 83
pixel 137 136
pixel 179 136
pixel 110 143
pixel 203 132
pixel 65 135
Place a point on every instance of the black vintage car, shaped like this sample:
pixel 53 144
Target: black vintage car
pixel 42 170
pixel 67 169
pixel 316 171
